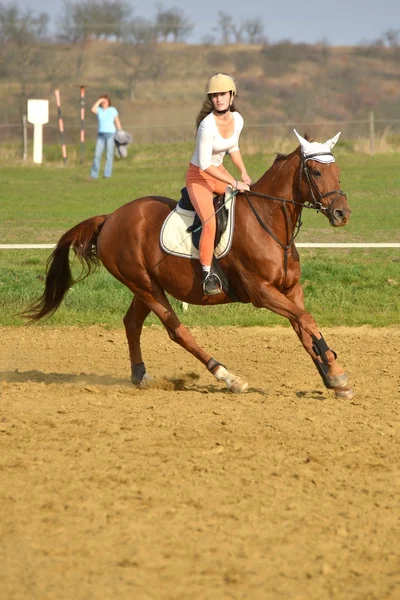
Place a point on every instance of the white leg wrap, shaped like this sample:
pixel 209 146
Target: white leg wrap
pixel 235 384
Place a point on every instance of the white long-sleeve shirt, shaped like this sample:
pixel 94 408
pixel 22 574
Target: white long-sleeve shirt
pixel 211 147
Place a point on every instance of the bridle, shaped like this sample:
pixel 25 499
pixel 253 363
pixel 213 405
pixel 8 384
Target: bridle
pixel 292 230
pixel 314 190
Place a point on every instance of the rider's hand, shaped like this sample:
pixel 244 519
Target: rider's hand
pixel 242 186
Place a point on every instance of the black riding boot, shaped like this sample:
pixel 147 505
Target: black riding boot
pixel 212 284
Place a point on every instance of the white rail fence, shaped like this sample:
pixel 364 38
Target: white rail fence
pixel 185 305
pixel 298 245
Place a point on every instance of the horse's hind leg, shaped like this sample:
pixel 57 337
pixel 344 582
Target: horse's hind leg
pixel 158 303
pixel 133 322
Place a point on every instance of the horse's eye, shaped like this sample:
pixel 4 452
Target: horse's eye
pixel 316 173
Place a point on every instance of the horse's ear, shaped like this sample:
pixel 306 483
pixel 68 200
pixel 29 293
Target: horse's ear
pixel 305 144
pixel 301 139
pixel 330 143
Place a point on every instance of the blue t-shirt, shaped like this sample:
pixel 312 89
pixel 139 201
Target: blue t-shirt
pixel 106 118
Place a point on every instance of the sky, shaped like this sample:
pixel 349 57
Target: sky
pixel 337 22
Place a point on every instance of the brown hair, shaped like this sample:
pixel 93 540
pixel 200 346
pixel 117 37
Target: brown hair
pixel 207 108
pixel 105 97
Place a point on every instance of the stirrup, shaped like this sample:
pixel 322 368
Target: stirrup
pixel 212 284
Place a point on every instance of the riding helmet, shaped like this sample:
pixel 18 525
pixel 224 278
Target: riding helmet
pixel 221 83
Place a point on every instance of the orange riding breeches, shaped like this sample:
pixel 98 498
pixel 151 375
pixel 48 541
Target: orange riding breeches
pixel 201 188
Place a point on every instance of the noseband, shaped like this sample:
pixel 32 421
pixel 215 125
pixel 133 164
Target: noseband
pixel 314 190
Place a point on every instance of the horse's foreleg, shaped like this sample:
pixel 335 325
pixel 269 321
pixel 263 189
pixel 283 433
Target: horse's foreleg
pixel 324 358
pixel 158 303
pixel 133 322
pixel 291 306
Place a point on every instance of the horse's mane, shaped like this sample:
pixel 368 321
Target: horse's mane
pixel 280 156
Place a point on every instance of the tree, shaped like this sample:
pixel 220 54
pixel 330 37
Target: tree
pixel 73 26
pixel 93 19
pixel 172 23
pixel 139 31
pixel 224 26
pixel 392 38
pixel 20 27
pixel 55 67
pixel 250 31
pixel 140 62
pixel 21 34
pixel 254 31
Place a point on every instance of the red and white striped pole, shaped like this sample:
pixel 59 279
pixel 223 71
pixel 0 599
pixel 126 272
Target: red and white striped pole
pixel 82 146
pixel 61 126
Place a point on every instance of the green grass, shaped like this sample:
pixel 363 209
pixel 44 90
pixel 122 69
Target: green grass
pixel 372 185
pixel 39 203
pixel 342 287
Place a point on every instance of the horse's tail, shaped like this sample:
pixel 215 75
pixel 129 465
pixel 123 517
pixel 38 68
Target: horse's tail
pixel 59 278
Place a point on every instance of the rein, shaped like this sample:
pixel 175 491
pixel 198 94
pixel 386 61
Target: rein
pixel 294 229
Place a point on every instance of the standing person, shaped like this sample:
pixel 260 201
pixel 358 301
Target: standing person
pixel 218 129
pixel 108 123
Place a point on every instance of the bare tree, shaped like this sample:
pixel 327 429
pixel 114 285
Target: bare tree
pixel 75 24
pixel 250 31
pixel 172 23
pixel 254 31
pixel 208 39
pixel 391 37
pixel 139 31
pixel 55 67
pixel 237 33
pixel 93 19
pixel 19 27
pixel 20 50
pixel 141 62
pixel 73 27
pixel 224 27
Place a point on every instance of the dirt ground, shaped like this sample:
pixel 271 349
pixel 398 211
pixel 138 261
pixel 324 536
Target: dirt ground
pixel 187 492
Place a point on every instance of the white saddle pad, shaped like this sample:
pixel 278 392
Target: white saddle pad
pixel 176 240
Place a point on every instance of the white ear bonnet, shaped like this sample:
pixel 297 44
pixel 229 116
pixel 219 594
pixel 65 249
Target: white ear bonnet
pixel 308 149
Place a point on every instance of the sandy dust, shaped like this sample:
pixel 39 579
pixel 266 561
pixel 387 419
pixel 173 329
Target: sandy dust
pixel 188 492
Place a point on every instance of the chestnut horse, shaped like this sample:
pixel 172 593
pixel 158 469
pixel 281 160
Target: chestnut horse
pixel 262 265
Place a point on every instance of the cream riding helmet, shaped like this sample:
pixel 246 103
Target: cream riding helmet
pixel 221 83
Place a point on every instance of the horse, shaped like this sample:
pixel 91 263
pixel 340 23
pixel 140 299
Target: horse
pixel 262 265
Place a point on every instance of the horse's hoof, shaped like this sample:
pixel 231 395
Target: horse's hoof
pixel 336 381
pixel 344 393
pixel 147 381
pixel 238 386
pixel 138 373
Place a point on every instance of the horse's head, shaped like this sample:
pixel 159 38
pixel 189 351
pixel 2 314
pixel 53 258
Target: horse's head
pixel 320 182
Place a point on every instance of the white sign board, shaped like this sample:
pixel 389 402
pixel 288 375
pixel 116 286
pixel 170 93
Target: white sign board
pixel 38 115
pixel 38 112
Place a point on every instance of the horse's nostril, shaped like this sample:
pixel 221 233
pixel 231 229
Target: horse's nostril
pixel 339 214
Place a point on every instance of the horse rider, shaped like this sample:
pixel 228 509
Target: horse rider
pixel 218 129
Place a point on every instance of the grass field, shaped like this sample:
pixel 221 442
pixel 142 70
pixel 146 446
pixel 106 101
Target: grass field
pixel 342 287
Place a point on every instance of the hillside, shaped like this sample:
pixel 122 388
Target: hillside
pixel 160 88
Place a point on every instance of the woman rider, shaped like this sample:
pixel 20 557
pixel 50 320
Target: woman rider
pixel 218 130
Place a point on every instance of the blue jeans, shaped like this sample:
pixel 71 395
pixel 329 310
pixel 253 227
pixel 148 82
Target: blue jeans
pixel 104 140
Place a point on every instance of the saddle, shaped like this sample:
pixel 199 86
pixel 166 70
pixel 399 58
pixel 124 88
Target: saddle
pixel 181 230
pixel 221 216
